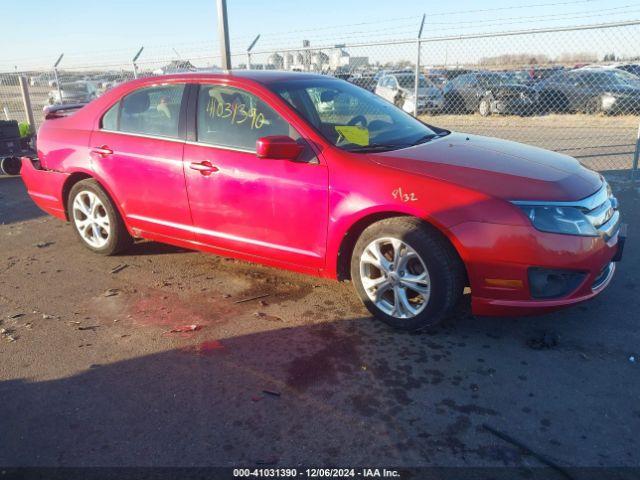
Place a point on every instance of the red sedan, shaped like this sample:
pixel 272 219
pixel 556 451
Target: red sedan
pixel 316 175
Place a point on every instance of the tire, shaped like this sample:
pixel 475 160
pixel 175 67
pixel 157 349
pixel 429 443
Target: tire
pixel 398 101
pixel 593 106
pixel 423 249
pixel 484 107
pixel 95 220
pixel 10 165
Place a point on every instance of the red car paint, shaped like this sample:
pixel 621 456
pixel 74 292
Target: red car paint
pixel 297 215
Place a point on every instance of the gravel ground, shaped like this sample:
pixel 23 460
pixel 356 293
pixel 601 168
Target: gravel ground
pixel 91 374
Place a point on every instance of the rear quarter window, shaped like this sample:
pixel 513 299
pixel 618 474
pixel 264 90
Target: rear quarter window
pixel 110 119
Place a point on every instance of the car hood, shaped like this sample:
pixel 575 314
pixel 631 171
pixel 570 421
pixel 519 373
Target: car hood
pixel 498 168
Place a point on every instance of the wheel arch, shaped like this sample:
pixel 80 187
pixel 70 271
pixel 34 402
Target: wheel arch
pixel 351 236
pixel 78 176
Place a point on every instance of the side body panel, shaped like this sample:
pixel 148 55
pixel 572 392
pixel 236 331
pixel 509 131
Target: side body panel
pixel 265 207
pixel 146 177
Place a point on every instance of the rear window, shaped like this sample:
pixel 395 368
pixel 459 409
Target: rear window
pixel 151 111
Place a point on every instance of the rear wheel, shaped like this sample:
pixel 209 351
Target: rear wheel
pixel 406 273
pixel 95 219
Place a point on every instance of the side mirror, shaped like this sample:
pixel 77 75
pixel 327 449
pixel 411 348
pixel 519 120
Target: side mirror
pixel 278 147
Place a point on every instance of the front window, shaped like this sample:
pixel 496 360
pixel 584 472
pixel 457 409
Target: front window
pixel 230 117
pixel 352 118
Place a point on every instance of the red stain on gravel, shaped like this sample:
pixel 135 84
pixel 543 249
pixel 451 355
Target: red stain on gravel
pixel 206 349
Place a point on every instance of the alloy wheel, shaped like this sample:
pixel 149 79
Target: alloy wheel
pixel 395 278
pixel 91 219
pixel 484 107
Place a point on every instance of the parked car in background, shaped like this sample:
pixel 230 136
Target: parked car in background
pixel 399 89
pixel 40 80
pixel 109 80
pixel 246 164
pixel 364 80
pixel 487 93
pixel 76 92
pixel 591 90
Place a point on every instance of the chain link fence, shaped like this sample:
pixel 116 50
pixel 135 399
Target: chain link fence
pixel 575 90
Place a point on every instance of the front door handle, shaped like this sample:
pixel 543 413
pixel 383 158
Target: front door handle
pixel 103 151
pixel 205 168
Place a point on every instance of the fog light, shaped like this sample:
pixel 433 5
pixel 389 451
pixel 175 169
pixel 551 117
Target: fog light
pixel 548 283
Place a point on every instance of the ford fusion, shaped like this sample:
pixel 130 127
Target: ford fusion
pixel 316 175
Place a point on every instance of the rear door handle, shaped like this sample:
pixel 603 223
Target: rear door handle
pixel 205 168
pixel 103 151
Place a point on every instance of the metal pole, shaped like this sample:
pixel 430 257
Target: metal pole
pixel 415 87
pixel 223 33
pixel 636 154
pixel 26 101
pixel 55 75
pixel 133 62
pixel 253 44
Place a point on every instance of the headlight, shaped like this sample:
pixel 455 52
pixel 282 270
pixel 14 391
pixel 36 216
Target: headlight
pixel 608 100
pixel 554 219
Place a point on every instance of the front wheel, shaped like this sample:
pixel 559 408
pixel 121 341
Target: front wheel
pixel 406 273
pixel 484 108
pixel 95 219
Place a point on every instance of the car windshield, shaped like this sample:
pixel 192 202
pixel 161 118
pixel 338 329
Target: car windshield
pixel 409 81
pixel 352 118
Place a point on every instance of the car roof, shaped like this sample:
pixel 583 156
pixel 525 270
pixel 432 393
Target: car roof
pixel 259 76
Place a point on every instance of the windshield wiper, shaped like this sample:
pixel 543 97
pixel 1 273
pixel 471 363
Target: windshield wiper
pixel 430 136
pixel 378 147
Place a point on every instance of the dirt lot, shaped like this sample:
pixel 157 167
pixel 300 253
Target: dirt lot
pixel 93 375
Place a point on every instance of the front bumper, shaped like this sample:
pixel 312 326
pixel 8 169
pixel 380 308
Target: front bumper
pixel 498 258
pixel 424 105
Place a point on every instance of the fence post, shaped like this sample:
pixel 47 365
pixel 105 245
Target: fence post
pixel 55 75
pixel 253 44
pixel 133 62
pixel 417 76
pixel 636 153
pixel 223 34
pixel 26 101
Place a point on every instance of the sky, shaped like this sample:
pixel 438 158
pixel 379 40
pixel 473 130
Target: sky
pixel 113 30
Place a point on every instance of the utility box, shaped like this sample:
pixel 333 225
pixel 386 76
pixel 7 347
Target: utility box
pixel 9 138
pixel 11 148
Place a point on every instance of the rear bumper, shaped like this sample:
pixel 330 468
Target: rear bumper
pixel 498 259
pixel 44 186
